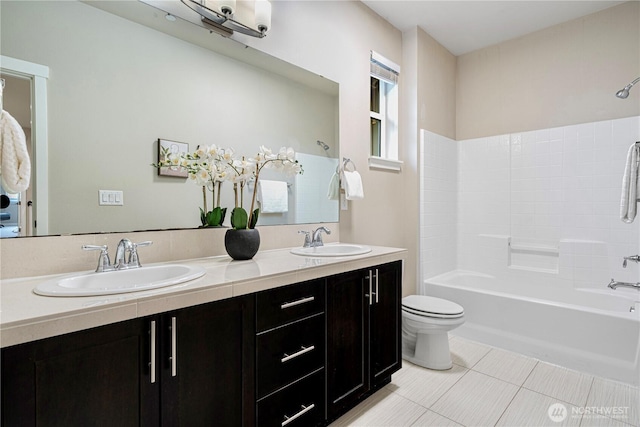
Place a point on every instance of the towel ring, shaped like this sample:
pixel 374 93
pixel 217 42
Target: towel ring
pixel 345 162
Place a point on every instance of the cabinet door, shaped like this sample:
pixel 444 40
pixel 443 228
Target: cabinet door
pixel 97 377
pixel 205 354
pixel 385 318
pixel 347 341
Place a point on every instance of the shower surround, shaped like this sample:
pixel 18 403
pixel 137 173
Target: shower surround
pixel 544 205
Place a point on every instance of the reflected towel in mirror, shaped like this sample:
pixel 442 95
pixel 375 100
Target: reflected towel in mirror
pixel 14 158
pixel 273 196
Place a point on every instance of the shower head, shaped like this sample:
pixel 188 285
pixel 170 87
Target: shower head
pixel 624 92
pixel 323 145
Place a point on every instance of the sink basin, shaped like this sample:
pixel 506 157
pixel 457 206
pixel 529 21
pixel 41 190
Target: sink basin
pixel 119 282
pixel 341 249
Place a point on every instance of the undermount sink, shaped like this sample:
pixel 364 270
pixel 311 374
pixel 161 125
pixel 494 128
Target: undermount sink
pixel 337 250
pixel 119 281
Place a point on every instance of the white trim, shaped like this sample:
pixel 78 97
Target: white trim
pixel 38 74
pixel 375 56
pixel 385 164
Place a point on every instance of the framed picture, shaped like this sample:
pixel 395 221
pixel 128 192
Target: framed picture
pixel 167 148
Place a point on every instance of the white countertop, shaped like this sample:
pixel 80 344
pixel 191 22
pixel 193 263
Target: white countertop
pixel 25 316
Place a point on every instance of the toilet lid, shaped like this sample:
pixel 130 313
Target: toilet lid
pixel 423 305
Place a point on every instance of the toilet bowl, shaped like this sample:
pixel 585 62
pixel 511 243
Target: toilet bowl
pixel 426 322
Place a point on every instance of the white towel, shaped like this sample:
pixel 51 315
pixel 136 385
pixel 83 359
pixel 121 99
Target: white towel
pixel 352 184
pixel 15 165
pixel 333 192
pixel 273 196
pixel 630 186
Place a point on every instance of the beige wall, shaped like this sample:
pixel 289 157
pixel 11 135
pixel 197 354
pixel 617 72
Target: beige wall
pixel 562 75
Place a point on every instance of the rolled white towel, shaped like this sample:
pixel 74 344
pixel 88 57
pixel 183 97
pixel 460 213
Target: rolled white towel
pixel 630 186
pixel 273 196
pixel 15 164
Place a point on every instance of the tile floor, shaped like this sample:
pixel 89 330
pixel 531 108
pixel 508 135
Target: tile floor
pixel 493 387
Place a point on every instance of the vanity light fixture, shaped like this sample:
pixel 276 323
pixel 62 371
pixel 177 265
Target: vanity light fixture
pixel 225 16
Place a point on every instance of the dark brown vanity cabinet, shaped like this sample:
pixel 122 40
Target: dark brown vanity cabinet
pixel 290 355
pixel 191 367
pixel 363 334
pixel 297 355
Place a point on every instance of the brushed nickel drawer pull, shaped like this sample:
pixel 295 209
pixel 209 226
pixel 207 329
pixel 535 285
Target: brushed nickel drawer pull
pixel 304 410
pixel 174 347
pixel 303 350
pixel 298 302
pixel 152 352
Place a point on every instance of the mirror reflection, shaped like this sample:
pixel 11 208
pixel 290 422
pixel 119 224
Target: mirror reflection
pixel 116 87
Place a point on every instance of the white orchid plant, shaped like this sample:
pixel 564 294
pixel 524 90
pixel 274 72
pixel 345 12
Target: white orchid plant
pixel 210 166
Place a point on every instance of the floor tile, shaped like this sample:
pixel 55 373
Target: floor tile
pixel 506 366
pixel 561 383
pixel 424 386
pixel 383 409
pixel 601 421
pixel 529 408
pixel 431 419
pixel 612 396
pixel 476 400
pixel 466 353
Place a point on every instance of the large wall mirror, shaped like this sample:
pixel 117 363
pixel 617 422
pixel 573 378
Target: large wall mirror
pixel 122 76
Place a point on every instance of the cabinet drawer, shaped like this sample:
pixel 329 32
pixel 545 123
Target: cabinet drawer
pixel 286 354
pixel 299 405
pixel 283 305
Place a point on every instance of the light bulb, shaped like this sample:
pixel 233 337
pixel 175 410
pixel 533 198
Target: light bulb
pixel 263 15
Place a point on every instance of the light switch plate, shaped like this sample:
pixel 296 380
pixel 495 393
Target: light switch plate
pixel 110 198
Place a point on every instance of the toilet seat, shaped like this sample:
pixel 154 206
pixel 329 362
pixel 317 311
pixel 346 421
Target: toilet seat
pixel 426 306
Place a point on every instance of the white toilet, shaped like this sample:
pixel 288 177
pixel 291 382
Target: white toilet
pixel 425 323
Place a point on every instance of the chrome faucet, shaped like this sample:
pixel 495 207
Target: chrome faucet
pixel 634 258
pixel 316 239
pixel 613 285
pixel 121 261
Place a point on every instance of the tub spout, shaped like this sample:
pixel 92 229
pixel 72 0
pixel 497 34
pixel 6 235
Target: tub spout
pixel 613 285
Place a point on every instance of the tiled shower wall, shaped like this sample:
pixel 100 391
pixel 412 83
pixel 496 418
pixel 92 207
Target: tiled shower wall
pixel 553 188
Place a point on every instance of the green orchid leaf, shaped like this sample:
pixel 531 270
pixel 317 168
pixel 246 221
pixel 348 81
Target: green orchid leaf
pixel 254 218
pixel 239 218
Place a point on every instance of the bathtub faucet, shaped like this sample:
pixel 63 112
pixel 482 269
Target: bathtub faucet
pixel 613 285
pixel 634 258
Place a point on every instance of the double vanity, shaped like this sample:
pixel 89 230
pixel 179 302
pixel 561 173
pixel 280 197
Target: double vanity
pixel 283 339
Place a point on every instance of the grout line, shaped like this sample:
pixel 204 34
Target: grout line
pixel 507 407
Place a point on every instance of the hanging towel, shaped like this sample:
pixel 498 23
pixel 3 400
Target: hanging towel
pixel 630 186
pixel 333 193
pixel 273 196
pixel 352 184
pixel 15 165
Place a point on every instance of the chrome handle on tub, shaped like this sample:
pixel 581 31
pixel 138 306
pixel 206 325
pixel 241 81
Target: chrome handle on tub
pixel 303 411
pixel 174 347
pixel 298 302
pixel 302 351
pixel 152 352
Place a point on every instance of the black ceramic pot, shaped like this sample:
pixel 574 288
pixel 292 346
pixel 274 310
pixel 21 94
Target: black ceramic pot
pixel 242 244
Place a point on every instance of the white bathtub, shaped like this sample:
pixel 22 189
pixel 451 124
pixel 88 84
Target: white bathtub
pixel 589 330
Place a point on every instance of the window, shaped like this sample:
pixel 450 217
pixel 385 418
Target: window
pixel 384 113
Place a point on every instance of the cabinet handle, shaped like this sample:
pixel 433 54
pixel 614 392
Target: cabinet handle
pixel 152 353
pixel 298 302
pixel 304 410
pixel 370 277
pixel 377 289
pixel 303 350
pixel 174 347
